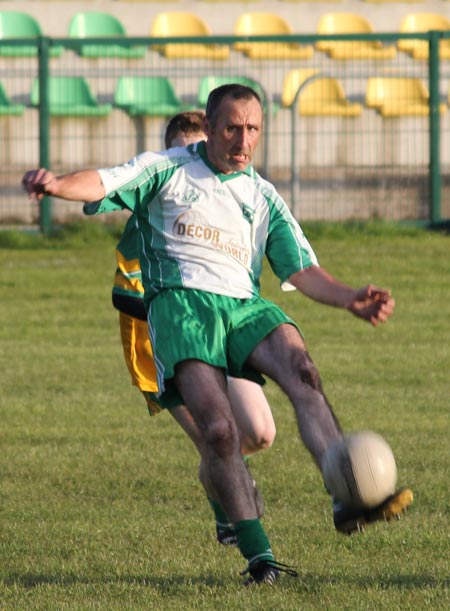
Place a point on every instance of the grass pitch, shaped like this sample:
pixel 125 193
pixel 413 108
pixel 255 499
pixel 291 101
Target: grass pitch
pixel 100 505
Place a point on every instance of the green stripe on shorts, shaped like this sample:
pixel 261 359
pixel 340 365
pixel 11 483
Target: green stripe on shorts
pixel 215 329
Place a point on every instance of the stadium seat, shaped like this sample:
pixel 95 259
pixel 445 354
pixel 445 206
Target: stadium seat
pixel 423 22
pixel 14 24
pixel 152 96
pixel 261 24
pixel 312 1
pixel 322 96
pixel 398 97
pixel 292 82
pixel 210 82
pixel 145 98
pixel 6 105
pixel 70 96
pixel 350 23
pixel 397 1
pixel 184 24
pixel 96 24
pixel 232 1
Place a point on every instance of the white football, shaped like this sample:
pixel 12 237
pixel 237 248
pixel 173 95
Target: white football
pixel 360 470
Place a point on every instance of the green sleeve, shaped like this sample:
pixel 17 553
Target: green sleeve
pixel 287 248
pixel 107 204
pixel 139 191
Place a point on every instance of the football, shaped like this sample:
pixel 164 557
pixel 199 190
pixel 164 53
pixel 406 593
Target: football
pixel 360 470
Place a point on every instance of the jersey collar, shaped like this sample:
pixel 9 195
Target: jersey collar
pixel 201 150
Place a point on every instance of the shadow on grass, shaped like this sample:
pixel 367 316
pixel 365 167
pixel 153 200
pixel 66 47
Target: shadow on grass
pixel 33 580
pixel 175 582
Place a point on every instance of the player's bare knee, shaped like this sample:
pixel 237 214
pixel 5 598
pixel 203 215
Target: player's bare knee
pixel 265 438
pixel 222 437
pixel 263 443
pixel 259 438
pixel 308 373
pixel 256 444
pixel 310 376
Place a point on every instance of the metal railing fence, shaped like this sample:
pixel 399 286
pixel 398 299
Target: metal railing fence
pixel 328 163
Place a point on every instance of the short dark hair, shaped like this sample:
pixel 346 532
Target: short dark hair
pixel 187 123
pixel 233 90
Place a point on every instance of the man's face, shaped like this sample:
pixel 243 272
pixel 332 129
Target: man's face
pixel 232 140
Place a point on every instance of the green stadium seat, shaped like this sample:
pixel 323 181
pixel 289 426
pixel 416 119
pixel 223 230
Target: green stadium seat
pixel 70 96
pixel 15 24
pixel 7 108
pixel 97 24
pixel 210 82
pixel 152 96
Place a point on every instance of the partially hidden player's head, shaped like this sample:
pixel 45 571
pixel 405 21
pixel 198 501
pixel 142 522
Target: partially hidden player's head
pixel 185 128
pixel 233 124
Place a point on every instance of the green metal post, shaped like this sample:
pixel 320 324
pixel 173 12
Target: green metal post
pixel 44 128
pixel 435 163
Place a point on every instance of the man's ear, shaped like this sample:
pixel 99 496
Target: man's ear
pixel 207 127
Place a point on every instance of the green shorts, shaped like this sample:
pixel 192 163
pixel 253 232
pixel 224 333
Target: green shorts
pixel 219 330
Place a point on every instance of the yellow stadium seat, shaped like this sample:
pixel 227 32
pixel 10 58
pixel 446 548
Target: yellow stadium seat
pixel 292 82
pixel 312 1
pixel 261 24
pixel 350 23
pixel 185 24
pixel 322 96
pixel 231 1
pixel 397 1
pixel 398 97
pixel 423 22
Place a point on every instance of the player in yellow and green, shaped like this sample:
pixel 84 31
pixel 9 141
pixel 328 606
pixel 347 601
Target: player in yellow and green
pixel 250 407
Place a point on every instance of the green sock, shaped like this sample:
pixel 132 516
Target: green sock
pixel 220 515
pixel 252 540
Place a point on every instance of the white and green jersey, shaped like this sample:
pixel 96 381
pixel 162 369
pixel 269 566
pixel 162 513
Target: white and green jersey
pixel 199 228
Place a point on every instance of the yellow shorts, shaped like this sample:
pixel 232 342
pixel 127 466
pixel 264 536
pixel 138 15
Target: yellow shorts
pixel 139 357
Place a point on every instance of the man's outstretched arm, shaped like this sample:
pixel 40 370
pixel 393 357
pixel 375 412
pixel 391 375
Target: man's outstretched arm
pixel 370 303
pixel 84 185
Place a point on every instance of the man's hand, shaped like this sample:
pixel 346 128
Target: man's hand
pixel 38 183
pixel 83 185
pixel 372 304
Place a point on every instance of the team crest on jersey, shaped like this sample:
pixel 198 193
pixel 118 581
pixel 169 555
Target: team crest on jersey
pixel 191 195
pixel 248 212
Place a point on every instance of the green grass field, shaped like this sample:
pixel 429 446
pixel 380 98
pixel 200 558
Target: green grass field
pixel 100 505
